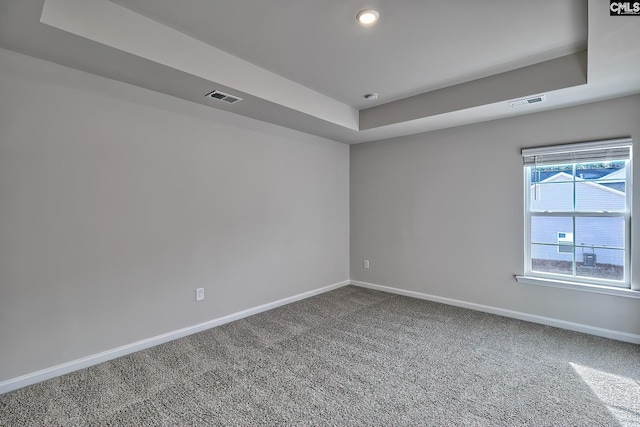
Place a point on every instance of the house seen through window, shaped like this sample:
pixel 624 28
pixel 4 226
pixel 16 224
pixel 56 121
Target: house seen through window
pixel 578 213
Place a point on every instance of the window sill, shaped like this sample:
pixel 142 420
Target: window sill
pixel 607 290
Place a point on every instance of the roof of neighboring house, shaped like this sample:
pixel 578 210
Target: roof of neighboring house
pixel 543 174
pixel 615 180
pixel 560 176
pixel 619 175
pixel 615 186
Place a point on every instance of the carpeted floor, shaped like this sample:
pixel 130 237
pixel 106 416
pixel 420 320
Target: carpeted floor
pixel 352 357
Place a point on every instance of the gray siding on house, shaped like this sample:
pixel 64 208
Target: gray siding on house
pixel 556 193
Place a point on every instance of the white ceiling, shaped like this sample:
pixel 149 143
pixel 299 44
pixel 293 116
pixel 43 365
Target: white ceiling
pixel 417 45
pixel 306 64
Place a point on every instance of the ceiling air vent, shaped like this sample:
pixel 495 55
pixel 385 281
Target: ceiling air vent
pixel 526 101
pixel 224 97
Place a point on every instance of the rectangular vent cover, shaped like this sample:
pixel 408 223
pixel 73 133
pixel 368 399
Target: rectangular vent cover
pixel 225 97
pixel 531 100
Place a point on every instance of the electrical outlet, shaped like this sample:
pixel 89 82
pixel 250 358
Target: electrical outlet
pixel 199 294
pixel 366 263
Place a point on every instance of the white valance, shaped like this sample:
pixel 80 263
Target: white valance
pixel 583 152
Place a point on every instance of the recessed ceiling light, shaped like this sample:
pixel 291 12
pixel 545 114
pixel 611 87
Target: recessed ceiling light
pixel 371 96
pixel 367 17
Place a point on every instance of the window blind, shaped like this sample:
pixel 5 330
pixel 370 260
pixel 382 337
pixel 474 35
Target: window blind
pixel 583 152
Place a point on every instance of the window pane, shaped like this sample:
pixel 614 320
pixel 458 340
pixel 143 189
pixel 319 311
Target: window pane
pixel 598 231
pixel 554 230
pixel 587 244
pixel 601 186
pixel 555 196
pixel 554 173
pixel 601 171
pixel 600 263
pixel 548 259
pixel 594 196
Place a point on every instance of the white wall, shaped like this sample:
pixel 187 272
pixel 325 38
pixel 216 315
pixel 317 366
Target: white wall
pixel 441 213
pixel 116 203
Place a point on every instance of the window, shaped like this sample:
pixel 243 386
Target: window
pixel 565 243
pixel 578 213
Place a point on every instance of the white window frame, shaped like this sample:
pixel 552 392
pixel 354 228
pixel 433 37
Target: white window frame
pixel 573 154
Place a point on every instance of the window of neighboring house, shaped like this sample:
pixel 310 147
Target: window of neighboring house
pixel 578 213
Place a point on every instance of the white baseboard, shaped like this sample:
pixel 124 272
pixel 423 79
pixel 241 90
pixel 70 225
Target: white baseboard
pixel 74 365
pixel 85 362
pixel 577 327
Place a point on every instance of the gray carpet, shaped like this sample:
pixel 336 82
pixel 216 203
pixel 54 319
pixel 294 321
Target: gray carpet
pixel 352 357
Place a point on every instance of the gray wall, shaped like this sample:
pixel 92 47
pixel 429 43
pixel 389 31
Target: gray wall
pixel 116 203
pixel 441 213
